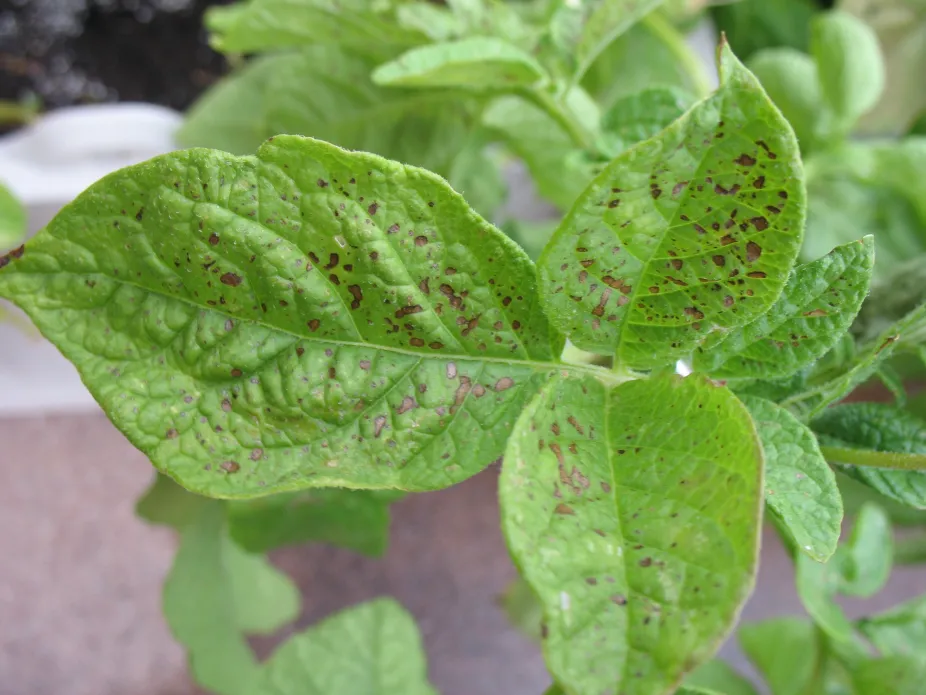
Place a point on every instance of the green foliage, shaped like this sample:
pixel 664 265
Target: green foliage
pixel 655 292
pixel 629 510
pixel 12 220
pixel 309 332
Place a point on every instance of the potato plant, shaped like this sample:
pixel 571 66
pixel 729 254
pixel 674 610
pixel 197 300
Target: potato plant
pixel 297 338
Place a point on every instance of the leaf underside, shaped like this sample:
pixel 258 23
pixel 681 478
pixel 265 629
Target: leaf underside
pixel 634 516
pixel 691 231
pixel 307 317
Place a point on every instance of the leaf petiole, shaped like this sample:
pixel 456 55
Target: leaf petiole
pixel 662 29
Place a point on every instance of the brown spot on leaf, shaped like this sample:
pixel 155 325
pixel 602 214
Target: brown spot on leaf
pixel 172 433
pixel 564 510
pixel 745 160
pixel 416 342
pixel 503 384
pixel 451 370
pixel 230 467
pixel 760 223
pixel 373 208
pixel 756 274
pixel 213 238
pixel 333 260
pixel 421 240
pixel 815 313
pixel 646 562
pixel 753 251
pixel 575 423
pixel 357 294
pixel 406 310
pixel 322 183
pixel 230 279
pixel 720 190
pixel 408 403
pixel 236 372
pixel 256 454
pixel 694 313
pixel 379 423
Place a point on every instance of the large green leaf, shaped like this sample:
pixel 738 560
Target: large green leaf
pixel 479 62
pixel 263 25
pixel 790 79
pixel 785 651
pixel 875 441
pixel 634 514
pixel 816 308
pixel 263 597
pixel 371 648
pixel 813 401
pixel 800 487
pixel 901 631
pixel 849 63
pixel 355 519
pixel 308 317
pixel 326 93
pixel 752 26
pixel 165 503
pixel 692 231
pixel 12 219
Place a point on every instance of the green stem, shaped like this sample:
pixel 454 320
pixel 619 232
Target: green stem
pixel 558 112
pixel 674 40
pixel 875 459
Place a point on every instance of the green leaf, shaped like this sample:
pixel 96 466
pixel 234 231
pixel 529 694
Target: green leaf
pixel 859 568
pixel 900 631
pixel 355 519
pixel 856 494
pixel 810 403
pixel 592 25
pixel 634 514
pixel 790 79
pixel 165 503
pixel 639 268
pixel 263 25
pixel 640 116
pixel 199 607
pixel 800 488
pixel 326 93
pixel 434 21
pixel 476 175
pixel 871 439
pixel 814 311
pixel 522 609
pixel 479 62
pixel 894 675
pixel 371 648
pixel 716 676
pixel 901 29
pixel 785 651
pixel 263 597
pixel 751 26
pixel 850 65
pixel 309 317
pixel 12 219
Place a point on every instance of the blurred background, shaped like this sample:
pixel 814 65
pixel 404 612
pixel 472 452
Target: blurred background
pixel 88 86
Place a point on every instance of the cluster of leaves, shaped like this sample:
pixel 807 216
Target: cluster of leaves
pixel 305 331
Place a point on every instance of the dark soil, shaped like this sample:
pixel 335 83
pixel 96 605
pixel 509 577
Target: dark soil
pixel 68 52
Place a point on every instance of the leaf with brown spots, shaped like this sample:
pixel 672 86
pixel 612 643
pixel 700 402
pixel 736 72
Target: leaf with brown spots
pixel 815 310
pixel 688 194
pixel 253 352
pixel 640 540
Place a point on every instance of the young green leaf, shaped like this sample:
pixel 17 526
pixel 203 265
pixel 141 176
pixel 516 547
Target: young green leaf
pixel 436 22
pixel 480 62
pixel 308 317
pixel 634 515
pixel 265 25
pixel 263 598
pixel 547 149
pixel 716 676
pixel 165 503
pixel 785 651
pixel 12 220
pixel 900 631
pixel 800 488
pixel 371 648
pixel 880 445
pixel 849 63
pixel 523 609
pixel 199 608
pixel 588 28
pixel 859 568
pixel 326 93
pixel 813 401
pixel 753 26
pixel 790 79
pixel 355 519
pixel 816 308
pixel 640 116
pixel 895 675
pixel 692 231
